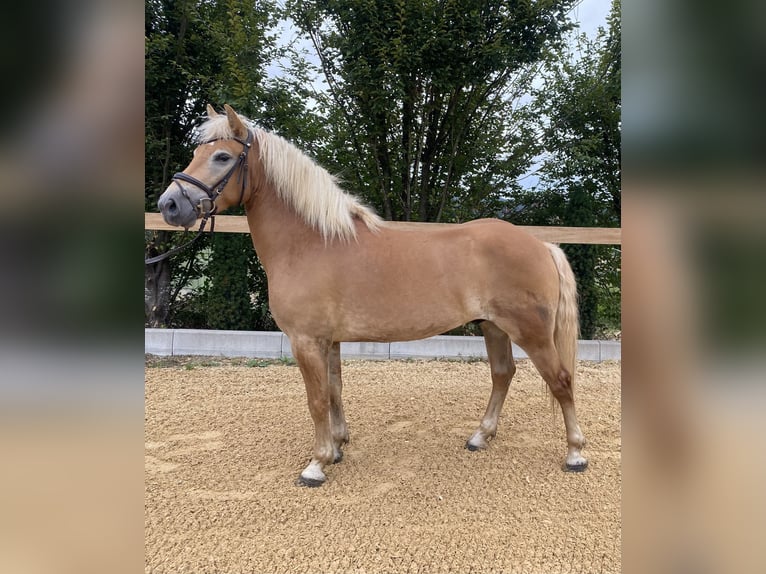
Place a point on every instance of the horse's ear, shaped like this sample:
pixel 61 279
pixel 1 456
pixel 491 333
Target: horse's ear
pixel 211 113
pixel 235 123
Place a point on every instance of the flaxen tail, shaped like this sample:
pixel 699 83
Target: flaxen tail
pixel 567 328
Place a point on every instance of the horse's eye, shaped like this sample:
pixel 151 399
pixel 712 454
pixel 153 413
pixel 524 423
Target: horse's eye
pixel 222 157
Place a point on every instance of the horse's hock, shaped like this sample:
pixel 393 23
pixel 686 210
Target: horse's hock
pixel 224 443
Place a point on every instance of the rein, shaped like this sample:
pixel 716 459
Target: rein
pixel 212 192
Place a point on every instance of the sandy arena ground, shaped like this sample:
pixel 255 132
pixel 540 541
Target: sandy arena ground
pixel 224 445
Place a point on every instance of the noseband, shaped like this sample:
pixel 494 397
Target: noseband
pixel 208 211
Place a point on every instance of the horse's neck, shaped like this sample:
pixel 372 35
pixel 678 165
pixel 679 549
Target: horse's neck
pixel 275 228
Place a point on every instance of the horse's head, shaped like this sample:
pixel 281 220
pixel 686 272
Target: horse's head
pixel 217 176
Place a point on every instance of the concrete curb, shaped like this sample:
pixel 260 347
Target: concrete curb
pixel 275 345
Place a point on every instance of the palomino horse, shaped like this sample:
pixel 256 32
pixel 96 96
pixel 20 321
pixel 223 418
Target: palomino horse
pixel 337 272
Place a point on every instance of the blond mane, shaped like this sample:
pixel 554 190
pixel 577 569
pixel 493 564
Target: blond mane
pixel 311 191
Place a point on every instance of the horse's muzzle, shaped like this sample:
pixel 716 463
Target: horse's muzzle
pixel 177 209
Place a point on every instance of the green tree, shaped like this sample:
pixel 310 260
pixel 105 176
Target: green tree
pixel 178 72
pixel 244 48
pixel 199 52
pixel 579 105
pixel 424 95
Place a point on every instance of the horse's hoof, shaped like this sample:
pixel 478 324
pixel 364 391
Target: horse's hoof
pixel 579 467
pixel 338 457
pixel 472 447
pixel 309 482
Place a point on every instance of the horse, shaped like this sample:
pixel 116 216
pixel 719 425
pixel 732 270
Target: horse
pixel 338 272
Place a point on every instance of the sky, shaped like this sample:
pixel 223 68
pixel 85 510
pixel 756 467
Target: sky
pixel 592 14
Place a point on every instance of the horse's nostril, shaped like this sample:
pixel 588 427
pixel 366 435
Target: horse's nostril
pixel 168 205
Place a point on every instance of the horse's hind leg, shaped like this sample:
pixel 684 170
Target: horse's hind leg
pixel 503 368
pixel 313 357
pixel 338 425
pixel 559 380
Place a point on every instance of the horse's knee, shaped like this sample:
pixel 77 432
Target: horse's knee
pixel 503 373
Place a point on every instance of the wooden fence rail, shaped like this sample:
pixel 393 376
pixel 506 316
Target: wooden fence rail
pixel 590 235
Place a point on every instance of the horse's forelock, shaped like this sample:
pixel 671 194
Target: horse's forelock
pixel 217 128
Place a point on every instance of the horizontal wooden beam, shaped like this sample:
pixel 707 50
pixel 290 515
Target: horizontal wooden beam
pixel 589 235
pixel 224 223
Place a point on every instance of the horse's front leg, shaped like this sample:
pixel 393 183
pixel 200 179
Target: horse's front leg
pixel 313 359
pixel 338 425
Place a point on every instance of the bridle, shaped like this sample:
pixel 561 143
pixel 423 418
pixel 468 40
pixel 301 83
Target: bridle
pixel 215 190
pixel 206 208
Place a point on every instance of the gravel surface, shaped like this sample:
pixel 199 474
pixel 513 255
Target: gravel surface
pixel 225 441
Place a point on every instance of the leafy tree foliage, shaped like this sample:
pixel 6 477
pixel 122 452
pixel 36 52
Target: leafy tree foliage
pixel 178 72
pixel 199 52
pixel 579 105
pixel 425 91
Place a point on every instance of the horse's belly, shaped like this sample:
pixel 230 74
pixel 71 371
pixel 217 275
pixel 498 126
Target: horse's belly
pixel 397 331
pixel 391 315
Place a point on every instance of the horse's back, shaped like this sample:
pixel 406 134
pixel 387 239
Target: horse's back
pixel 491 240
pixel 490 228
